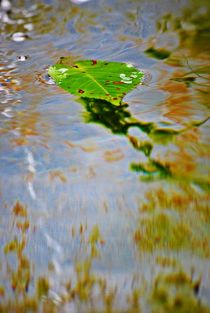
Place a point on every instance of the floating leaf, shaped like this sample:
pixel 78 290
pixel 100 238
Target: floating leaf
pixel 96 79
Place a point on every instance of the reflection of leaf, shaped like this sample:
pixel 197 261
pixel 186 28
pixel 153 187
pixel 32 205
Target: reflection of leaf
pixel 163 135
pixel 117 119
pixel 144 146
pixel 95 79
pixel 151 170
pixel 154 170
pixel 159 54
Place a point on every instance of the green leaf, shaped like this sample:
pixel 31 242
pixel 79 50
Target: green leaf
pixel 96 79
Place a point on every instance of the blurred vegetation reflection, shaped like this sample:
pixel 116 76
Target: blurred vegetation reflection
pixel 173 215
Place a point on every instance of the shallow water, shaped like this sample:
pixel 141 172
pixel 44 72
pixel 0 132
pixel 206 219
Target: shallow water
pixel 105 210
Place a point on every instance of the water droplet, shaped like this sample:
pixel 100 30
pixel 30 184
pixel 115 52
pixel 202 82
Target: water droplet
pixel 126 78
pixel 127 81
pixel 62 70
pixel 22 58
pixel 18 37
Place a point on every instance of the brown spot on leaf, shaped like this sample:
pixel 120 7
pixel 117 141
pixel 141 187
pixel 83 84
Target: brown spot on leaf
pixel 94 62
pixel 118 83
pixel 81 91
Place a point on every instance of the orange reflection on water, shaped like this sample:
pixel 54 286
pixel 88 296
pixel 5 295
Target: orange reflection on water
pixel 178 103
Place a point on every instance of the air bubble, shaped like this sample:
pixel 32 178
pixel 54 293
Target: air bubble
pixel 22 58
pixel 18 37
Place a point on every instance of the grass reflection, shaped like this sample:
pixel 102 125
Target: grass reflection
pixel 173 289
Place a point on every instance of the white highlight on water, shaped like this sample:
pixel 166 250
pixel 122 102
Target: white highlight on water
pixel 31 162
pixel 18 37
pixel 6 112
pixel 31 190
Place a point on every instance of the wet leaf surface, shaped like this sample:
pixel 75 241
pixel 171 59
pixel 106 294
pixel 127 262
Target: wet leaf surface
pixel 96 79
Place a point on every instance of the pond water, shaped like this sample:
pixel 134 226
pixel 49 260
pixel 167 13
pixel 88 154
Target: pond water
pixel 105 209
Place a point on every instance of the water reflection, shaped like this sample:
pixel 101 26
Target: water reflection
pixel 113 203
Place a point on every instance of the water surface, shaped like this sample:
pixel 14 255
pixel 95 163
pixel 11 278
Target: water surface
pixel 105 209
